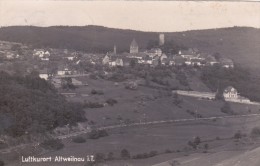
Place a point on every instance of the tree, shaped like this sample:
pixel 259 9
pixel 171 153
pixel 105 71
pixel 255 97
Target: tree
pixel 132 63
pixel 255 132
pixel 125 154
pixel 227 109
pixel 238 135
pixel 197 140
pixel 110 156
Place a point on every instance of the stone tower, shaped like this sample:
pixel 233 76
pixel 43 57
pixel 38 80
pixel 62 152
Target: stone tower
pixel 161 39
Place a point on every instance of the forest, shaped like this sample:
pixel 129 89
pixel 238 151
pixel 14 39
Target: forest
pixel 29 104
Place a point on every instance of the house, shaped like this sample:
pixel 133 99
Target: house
pixel 226 62
pixel 10 55
pixel 38 52
pixel 211 60
pixel 154 52
pixel 41 53
pixel 115 61
pixel 196 62
pixel 133 47
pixel 105 60
pixel 63 71
pixel 188 54
pixel 44 74
pixel 163 56
pixel 230 93
pixel 178 61
pixel 70 57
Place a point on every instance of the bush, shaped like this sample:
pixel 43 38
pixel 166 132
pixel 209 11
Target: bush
pixel 52 144
pixel 99 157
pixel 197 141
pixel 92 105
pixel 131 86
pixel 98 92
pixel 255 132
pixel 111 101
pixel 174 163
pixel 227 109
pixel 95 134
pixel 125 154
pixel 238 135
pixel 206 146
pixel 79 140
pixel 168 151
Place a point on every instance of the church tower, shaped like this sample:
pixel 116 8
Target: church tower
pixel 133 47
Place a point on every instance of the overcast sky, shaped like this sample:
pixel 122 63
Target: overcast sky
pixel 145 16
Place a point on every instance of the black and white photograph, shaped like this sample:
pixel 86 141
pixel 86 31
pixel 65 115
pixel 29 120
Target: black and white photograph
pixel 129 83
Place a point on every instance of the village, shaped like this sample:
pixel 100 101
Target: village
pixel 59 62
pixel 55 64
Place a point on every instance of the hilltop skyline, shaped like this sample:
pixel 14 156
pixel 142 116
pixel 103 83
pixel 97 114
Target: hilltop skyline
pixel 152 16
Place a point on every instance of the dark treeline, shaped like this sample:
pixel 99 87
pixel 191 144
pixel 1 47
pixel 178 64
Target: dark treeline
pixel 29 104
pixel 218 78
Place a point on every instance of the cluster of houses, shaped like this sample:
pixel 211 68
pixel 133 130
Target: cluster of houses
pixel 6 51
pixel 155 56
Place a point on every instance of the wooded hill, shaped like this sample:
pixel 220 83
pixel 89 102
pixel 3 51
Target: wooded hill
pixel 239 43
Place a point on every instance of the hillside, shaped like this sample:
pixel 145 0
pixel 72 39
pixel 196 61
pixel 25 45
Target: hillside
pixel 31 105
pixel 239 43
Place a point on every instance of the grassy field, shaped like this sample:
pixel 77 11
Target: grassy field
pixel 146 104
pixel 159 138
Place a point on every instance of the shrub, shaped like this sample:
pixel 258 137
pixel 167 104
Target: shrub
pixel 110 156
pixel 238 135
pixel 255 132
pixel 111 101
pixel 92 105
pixel 168 151
pixel 52 144
pixel 99 157
pixel 153 153
pixel 197 141
pixel 79 140
pixel 2 163
pixel 227 109
pixel 192 144
pixel 98 92
pixel 131 86
pixel 206 146
pixel 125 154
